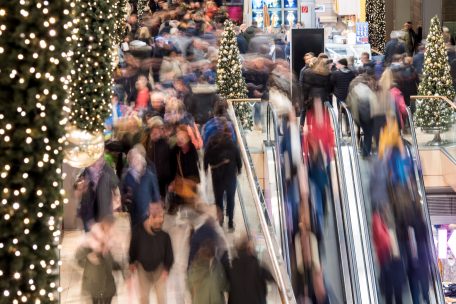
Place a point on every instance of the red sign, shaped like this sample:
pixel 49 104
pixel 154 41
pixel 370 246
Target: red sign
pixel 304 9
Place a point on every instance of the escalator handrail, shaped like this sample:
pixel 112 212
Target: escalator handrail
pixel 281 193
pixel 437 283
pixel 346 218
pixel 286 292
pixel 363 195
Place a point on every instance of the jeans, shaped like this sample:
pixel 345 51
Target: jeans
pixel 101 300
pixel 222 186
pixel 367 126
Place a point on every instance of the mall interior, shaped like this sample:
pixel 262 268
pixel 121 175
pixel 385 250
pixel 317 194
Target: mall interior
pixel 228 151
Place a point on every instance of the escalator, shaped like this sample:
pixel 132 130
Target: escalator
pixel 351 271
pixel 363 170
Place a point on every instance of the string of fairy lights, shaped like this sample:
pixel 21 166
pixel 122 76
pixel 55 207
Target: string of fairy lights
pixel 35 57
pixel 55 64
pixel 375 16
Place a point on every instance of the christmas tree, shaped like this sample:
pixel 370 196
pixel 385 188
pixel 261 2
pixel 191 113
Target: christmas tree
pixel 435 113
pixel 230 82
pixel 35 57
pixel 375 16
pixel 142 4
pixel 93 64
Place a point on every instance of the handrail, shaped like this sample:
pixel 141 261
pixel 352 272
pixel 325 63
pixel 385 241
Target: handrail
pixel 286 293
pixel 280 188
pixel 376 51
pixel 363 196
pixel 347 219
pixel 419 177
pixel 244 100
pixel 444 98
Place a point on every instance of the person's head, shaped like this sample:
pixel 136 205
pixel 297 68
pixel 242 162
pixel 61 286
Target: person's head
pixel 397 58
pixel 141 83
pixel 307 57
pixel 157 100
pixel 114 99
pixel 408 60
pixel 132 19
pixel 342 63
pixel 408 25
pixel 365 57
pixel 136 160
pixel 156 216
pixel 182 137
pixel 143 33
pixel 321 66
pixel 155 125
pixel 207 249
pixel 245 245
pixel 220 107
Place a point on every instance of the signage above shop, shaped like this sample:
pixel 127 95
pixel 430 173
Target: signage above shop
pixel 321 8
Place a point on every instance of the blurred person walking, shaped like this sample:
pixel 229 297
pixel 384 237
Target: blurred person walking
pixel 139 187
pixel 248 278
pixel 151 255
pixel 96 258
pixel 224 159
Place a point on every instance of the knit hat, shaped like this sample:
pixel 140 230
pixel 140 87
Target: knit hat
pixel 343 62
pixel 155 122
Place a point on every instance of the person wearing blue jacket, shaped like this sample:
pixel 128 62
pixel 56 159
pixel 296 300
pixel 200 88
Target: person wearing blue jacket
pixel 139 187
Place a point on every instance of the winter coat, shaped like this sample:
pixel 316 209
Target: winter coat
pixel 158 156
pixel 200 102
pixel 207 281
pixel 170 69
pixel 242 44
pixel 248 280
pixel 96 202
pixel 340 81
pixel 360 100
pixel 393 47
pixel 189 163
pixel 97 279
pixel 140 193
pixel 315 85
pixel 418 62
pixel 401 108
pixel 408 80
pixel 224 158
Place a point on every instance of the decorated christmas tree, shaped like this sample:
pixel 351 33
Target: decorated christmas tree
pixel 93 65
pixel 435 113
pixel 230 82
pixel 35 58
pixel 141 7
pixel 375 16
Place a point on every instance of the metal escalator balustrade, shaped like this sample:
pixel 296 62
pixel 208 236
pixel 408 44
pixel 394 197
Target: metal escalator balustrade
pixel 263 226
pixel 363 274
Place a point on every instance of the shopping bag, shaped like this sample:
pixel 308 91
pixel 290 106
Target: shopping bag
pixel 132 283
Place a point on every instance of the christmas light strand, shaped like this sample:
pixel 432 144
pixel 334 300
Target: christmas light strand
pixel 35 55
pixel 375 16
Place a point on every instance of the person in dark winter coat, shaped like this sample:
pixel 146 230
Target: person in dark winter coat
pixel 95 186
pixel 200 102
pixel 139 188
pixel 96 258
pixel 158 153
pixel 184 157
pixel 407 80
pixel 340 80
pixel 151 255
pixel 393 47
pixel 418 60
pixel 316 81
pixel 248 278
pixel 223 155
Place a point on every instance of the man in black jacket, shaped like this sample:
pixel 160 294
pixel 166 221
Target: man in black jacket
pixel 393 47
pixel 340 80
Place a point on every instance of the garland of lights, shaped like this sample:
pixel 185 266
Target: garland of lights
pixel 142 4
pixel 93 64
pixel 119 20
pixel 436 81
pixel 35 39
pixel 230 82
pixel 375 16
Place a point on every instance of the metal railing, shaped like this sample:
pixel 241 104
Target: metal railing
pixel 444 98
pixel 367 248
pixel 283 283
pixel 355 294
pixel 427 216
